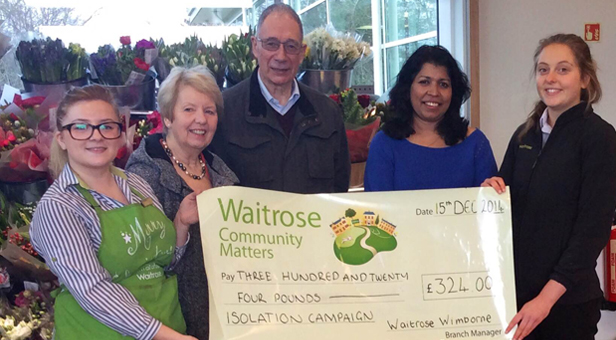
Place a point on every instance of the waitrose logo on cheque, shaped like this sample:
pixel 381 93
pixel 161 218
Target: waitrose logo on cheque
pixel 255 245
pixel 359 237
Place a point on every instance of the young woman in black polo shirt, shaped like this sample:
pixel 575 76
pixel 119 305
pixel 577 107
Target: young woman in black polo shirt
pixel 561 169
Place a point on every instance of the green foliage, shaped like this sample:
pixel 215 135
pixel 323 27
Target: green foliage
pixel 4 214
pixel 193 52
pixel 353 112
pixel 237 50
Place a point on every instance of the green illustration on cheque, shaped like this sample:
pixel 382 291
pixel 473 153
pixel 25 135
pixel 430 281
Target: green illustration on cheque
pixel 360 238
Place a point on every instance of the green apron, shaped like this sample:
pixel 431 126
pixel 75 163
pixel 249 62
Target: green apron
pixel 138 242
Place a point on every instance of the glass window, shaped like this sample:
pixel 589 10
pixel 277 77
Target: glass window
pixel 253 14
pixel 407 18
pixel 352 16
pixel 395 57
pixel 314 18
pixel 305 3
pixel 363 73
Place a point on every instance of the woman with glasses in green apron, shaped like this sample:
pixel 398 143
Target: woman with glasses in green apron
pixel 102 232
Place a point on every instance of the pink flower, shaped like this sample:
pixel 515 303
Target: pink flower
pixel 10 136
pixel 21 300
pixel 125 40
pixel 144 44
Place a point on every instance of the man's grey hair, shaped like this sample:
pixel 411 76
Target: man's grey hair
pixel 281 8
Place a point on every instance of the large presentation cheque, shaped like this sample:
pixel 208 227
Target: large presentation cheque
pixel 433 264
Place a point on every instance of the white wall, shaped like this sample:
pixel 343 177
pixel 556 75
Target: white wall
pixel 509 32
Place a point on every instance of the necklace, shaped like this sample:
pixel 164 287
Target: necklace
pixel 181 165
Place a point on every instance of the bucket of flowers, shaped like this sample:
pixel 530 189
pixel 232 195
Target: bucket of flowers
pixel 126 73
pixel 330 58
pixel 47 65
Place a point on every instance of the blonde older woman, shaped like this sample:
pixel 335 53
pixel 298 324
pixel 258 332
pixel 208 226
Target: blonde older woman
pixel 177 163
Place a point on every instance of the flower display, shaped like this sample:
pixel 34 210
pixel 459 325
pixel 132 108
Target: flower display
pixel 24 148
pixel 362 119
pixel 330 50
pixel 48 61
pixel 124 66
pixel 17 217
pixel 13 131
pixel 237 50
pixel 193 52
pixel 145 127
pixel 15 244
pixel 30 318
pixel 357 109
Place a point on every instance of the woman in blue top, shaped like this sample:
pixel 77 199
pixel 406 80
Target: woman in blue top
pixel 425 143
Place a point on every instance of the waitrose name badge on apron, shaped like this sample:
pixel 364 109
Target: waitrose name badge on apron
pixel 433 264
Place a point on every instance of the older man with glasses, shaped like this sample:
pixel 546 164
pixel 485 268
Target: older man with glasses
pixel 276 133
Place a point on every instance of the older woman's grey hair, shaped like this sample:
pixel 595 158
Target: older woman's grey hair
pixel 199 78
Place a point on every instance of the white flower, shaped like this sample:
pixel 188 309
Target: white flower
pixel 21 332
pixel 334 51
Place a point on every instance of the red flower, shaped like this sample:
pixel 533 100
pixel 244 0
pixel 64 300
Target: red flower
pixel 335 97
pixel 10 136
pixel 157 123
pixel 31 102
pixel 364 100
pixel 5 142
pixel 155 119
pixel 17 99
pixel 141 64
pixel 121 152
pixel 125 40
pixel 13 116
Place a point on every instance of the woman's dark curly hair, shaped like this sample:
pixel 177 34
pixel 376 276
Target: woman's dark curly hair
pixel 399 122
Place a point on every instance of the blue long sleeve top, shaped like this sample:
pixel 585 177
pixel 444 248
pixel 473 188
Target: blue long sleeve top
pixel 397 164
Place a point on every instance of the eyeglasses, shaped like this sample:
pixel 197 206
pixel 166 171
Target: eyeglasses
pixel 84 131
pixel 273 44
